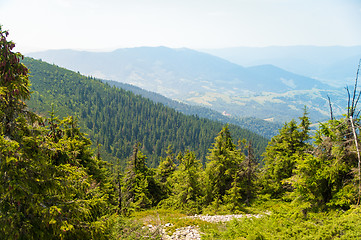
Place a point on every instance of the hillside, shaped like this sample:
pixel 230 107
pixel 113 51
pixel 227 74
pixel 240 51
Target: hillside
pixel 117 119
pixel 202 79
pixel 264 128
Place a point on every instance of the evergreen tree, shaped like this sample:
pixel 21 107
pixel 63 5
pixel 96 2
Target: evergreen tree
pixel 326 176
pixel 221 167
pixel 51 186
pixel 165 171
pixel 14 87
pixel 249 175
pixel 186 184
pixel 281 155
pixel 243 187
pixel 139 190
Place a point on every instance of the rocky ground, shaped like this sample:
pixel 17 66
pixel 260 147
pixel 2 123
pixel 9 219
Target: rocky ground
pixel 192 232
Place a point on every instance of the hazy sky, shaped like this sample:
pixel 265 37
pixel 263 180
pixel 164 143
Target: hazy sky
pixel 110 24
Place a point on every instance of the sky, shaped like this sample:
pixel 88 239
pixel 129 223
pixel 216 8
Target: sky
pixel 100 25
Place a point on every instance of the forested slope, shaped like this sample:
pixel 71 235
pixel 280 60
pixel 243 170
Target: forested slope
pixel 256 125
pixel 117 119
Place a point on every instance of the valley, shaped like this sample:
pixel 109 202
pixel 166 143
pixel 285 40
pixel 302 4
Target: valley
pixel 197 78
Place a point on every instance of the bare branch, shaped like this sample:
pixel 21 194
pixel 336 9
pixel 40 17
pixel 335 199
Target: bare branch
pixel 358 157
pixel 358 114
pixel 358 98
pixel 354 104
pixel 348 101
pixel 329 102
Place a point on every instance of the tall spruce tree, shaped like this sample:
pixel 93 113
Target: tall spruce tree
pixel 186 183
pixel 51 185
pixel 221 166
pixel 282 154
pixel 243 188
pixel 165 170
pixel 327 176
pixel 139 190
pixel 330 174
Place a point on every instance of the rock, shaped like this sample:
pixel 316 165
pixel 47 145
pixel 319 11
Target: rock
pixel 185 233
pixel 192 232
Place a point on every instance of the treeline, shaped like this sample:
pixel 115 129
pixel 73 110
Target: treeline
pixel 317 176
pixel 228 180
pixel 117 119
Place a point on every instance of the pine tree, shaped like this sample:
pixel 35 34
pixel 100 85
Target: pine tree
pixel 14 87
pixel 139 189
pixel 281 156
pixel 243 188
pixel 326 175
pixel 51 185
pixel 221 166
pixel 165 170
pixel 250 173
pixel 186 185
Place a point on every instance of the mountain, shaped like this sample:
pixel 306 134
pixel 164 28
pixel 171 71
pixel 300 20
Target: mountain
pixel 175 72
pixel 193 77
pixel 117 119
pixel 334 65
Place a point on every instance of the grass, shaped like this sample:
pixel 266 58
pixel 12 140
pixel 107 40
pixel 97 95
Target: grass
pixel 158 217
pixel 286 221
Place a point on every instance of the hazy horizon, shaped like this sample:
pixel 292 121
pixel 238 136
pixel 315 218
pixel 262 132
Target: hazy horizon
pixel 109 24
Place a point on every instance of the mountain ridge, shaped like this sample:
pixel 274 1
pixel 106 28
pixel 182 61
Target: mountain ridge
pixel 202 79
pixel 319 62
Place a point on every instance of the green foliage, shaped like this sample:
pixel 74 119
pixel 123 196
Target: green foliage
pixel 285 222
pixel 164 172
pixel 326 177
pixel 51 185
pixel 221 167
pixel 14 86
pixel 129 229
pixel 186 185
pixel 229 174
pixel 281 156
pixel 139 190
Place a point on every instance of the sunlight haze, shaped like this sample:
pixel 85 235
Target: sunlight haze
pixel 109 24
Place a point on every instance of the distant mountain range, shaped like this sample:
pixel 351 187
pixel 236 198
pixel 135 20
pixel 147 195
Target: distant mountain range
pixel 264 91
pixel 334 65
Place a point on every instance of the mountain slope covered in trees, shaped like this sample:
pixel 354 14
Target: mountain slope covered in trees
pixel 117 119
pixel 264 128
pixel 202 79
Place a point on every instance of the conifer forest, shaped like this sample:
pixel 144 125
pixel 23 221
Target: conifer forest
pixel 80 159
